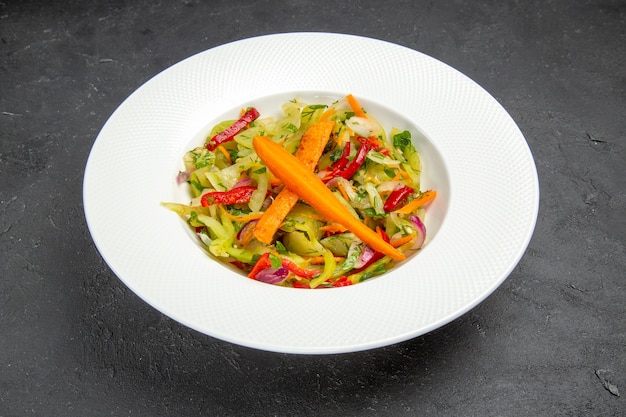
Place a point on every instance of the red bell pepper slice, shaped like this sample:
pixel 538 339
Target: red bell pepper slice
pixel 341 163
pixel 301 272
pixel 262 263
pixel 301 284
pixel 236 195
pixel 397 197
pixel 356 163
pixel 342 282
pixel 229 133
pixel 372 142
pixel 341 167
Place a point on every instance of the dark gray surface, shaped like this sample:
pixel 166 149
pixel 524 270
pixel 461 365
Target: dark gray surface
pixel 550 341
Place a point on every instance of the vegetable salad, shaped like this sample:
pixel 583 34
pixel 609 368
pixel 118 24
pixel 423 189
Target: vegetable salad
pixel 319 197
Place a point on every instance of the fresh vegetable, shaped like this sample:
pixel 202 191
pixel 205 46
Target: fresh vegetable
pixel 420 229
pixel 356 106
pixel 236 195
pixel 271 266
pixel 261 264
pixel 320 196
pixel 309 187
pixel 229 133
pixel 397 197
pixel 309 151
pixel 342 162
pixel 329 269
pixel 418 202
pixel 299 271
pixel 356 163
pixel 369 256
pixel 272 275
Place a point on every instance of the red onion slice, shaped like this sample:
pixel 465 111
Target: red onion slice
pixel 183 176
pixel 333 183
pixel 245 231
pixel 272 275
pixel 365 257
pixel 243 182
pixel 421 231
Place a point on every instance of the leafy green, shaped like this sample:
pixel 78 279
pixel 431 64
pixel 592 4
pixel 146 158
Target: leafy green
pixel 402 140
pixel 275 261
pixel 280 248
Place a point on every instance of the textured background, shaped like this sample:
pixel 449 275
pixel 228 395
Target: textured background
pixel 550 341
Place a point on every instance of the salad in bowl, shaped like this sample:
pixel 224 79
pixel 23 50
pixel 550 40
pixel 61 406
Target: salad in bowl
pixel 321 196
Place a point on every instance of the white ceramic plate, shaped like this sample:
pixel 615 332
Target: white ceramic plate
pixel 473 154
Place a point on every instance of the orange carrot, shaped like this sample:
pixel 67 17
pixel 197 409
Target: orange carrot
pixel 327 114
pixel 302 181
pixel 274 215
pixel 226 154
pixel 343 192
pixel 405 175
pixel 309 152
pixel 355 106
pixel 418 202
pixel 344 136
pixel 402 240
pixel 275 182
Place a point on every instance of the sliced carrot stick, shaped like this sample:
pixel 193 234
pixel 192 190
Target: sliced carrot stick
pixel 327 114
pixel 274 215
pixel 226 154
pixel 355 106
pixel 405 175
pixel 302 181
pixel 343 192
pixel 402 240
pixel 344 136
pixel 418 202
pixel 309 152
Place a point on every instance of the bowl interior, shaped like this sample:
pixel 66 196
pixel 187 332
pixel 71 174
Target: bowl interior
pixel 434 171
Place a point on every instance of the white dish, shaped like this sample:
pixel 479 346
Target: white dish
pixel 474 155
